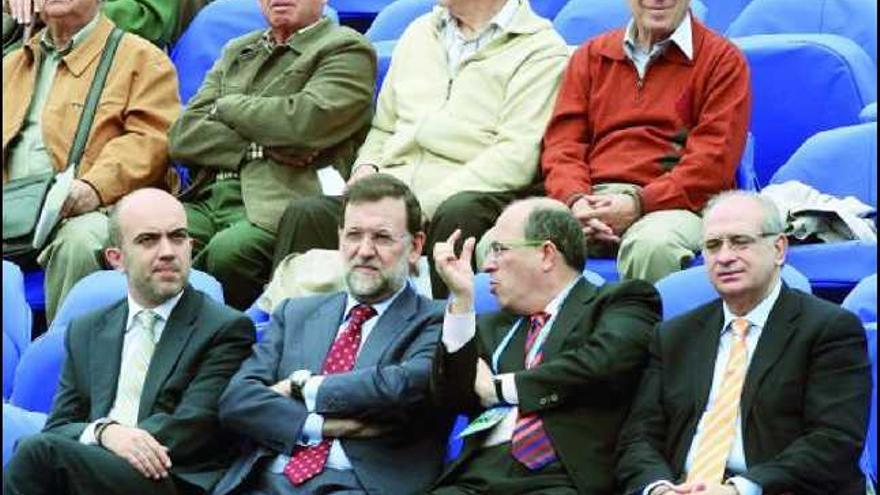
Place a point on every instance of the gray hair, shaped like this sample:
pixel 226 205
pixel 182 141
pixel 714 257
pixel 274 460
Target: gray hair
pixel 772 221
pixel 559 226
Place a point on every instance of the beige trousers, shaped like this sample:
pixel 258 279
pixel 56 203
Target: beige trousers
pixel 73 253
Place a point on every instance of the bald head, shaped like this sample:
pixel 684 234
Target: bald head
pixel 150 243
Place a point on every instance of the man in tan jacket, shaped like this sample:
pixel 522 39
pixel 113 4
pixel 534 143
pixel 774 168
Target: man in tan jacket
pixel 45 84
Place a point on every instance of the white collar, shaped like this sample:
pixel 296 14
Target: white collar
pixel 502 20
pixel 759 314
pixel 553 306
pixel 163 310
pixel 380 307
pixel 682 36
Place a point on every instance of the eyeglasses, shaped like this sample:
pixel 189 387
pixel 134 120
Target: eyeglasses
pixel 379 239
pixel 737 242
pixel 496 248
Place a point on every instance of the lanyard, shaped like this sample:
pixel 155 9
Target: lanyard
pixel 539 340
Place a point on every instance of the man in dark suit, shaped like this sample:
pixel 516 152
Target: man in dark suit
pixel 136 409
pixel 765 391
pixel 553 373
pixel 335 398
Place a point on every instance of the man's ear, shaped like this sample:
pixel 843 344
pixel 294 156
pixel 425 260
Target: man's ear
pixel 780 245
pixel 418 245
pixel 550 256
pixel 115 258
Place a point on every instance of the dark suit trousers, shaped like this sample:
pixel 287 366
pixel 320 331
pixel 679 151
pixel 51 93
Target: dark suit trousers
pixel 51 464
pixel 493 471
pixel 312 223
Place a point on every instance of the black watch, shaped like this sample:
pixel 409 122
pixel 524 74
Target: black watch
pixel 499 390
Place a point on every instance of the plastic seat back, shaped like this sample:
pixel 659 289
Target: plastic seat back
pixel 863 299
pixel 788 73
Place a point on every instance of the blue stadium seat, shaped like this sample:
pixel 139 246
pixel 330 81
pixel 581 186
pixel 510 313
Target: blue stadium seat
pixel 39 369
pixel 384 50
pixel 548 9
pixel 201 44
pixel 723 12
pixel 393 19
pixel 260 319
pixel 841 162
pixel 18 423
pixel 788 73
pixel 581 20
pixel 869 457
pixel 358 10
pixel 485 302
pixel 34 288
pixel 853 19
pixel 16 323
pixel 869 113
pixel 685 290
pixel 863 299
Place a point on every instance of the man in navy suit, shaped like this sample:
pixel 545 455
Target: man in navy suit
pixel 335 399
pixel 764 391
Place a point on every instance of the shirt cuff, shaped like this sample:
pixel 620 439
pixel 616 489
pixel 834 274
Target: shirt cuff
pixel 745 486
pixel 458 330
pixel 655 484
pixel 311 431
pixel 87 437
pixel 508 389
pixel 310 392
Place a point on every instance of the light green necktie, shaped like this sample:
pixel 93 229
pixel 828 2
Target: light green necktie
pixel 134 369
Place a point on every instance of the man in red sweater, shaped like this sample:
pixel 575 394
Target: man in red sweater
pixel 637 158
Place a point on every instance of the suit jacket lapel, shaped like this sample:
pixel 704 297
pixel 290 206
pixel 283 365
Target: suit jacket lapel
pixel 704 353
pixel 107 348
pixel 774 339
pixel 319 332
pixel 176 334
pixel 390 324
pixel 571 312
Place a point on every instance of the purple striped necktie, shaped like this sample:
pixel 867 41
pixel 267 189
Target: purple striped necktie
pixel 530 444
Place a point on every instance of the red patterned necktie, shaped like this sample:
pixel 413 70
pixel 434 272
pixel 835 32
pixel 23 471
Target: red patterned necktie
pixel 530 444
pixel 308 461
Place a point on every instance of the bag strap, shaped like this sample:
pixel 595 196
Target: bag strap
pixel 88 113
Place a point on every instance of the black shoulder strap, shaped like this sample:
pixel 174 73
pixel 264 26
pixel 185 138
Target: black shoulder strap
pixel 91 104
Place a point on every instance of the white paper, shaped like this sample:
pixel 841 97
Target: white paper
pixel 332 184
pixel 51 213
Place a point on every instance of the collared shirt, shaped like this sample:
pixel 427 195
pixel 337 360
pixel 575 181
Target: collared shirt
pixel 311 431
pixel 757 318
pixel 163 311
pixel 459 48
pixel 682 37
pixel 459 329
pixel 29 156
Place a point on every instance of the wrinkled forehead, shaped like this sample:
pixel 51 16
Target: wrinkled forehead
pixel 735 216
pixel 386 214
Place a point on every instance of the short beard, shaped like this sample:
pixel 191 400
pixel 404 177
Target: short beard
pixel 372 290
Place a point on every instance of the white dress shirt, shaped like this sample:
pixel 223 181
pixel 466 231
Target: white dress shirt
pixel 311 431
pixel 736 462
pixel 459 329
pixel 163 311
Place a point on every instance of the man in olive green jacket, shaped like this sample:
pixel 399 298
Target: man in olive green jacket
pixel 279 108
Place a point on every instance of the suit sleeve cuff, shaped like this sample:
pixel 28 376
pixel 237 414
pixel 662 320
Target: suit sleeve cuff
pixel 647 490
pixel 311 431
pixel 310 392
pixel 508 388
pixel 745 486
pixel 458 330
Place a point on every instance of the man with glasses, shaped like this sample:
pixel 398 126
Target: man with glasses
pixel 548 380
pixel 334 399
pixel 765 391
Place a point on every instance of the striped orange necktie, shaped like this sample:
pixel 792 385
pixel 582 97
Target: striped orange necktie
pixel 719 423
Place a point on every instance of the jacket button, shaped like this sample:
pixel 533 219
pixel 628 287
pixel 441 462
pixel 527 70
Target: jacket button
pixel 543 401
pixel 554 398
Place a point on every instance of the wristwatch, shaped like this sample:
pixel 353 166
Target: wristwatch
pixel 298 380
pixel 499 390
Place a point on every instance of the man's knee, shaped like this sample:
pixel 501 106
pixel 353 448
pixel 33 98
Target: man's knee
pixel 309 209
pixel 33 453
pixel 225 252
pixel 458 206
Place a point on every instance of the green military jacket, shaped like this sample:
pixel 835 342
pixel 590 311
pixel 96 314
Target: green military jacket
pixel 312 94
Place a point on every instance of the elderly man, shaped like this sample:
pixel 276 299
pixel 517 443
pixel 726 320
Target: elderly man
pixel 765 391
pixel 280 110
pixel 553 373
pixel 459 118
pixel 335 397
pixel 136 409
pixel 635 159
pixel 44 87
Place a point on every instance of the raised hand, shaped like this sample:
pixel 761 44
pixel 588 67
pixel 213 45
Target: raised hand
pixel 456 271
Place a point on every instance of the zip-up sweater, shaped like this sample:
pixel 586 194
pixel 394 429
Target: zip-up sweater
pixel 679 132
pixel 477 130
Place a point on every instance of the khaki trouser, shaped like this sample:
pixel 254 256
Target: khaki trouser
pixel 657 244
pixel 74 252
